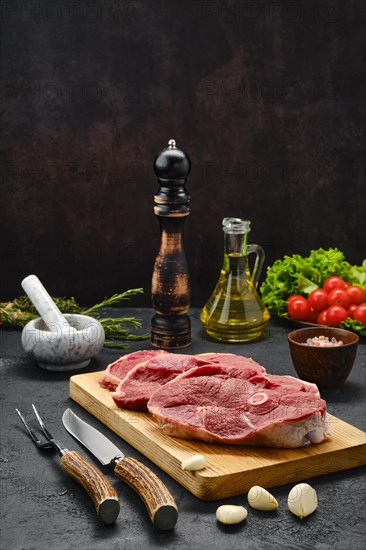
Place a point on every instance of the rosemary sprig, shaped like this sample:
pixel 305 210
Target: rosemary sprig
pixel 20 311
pixel 113 300
pixel 114 328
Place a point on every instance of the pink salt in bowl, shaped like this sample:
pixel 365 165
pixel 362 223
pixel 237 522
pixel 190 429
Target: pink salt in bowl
pixel 326 366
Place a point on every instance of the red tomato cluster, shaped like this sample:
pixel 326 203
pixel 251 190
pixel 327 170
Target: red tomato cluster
pixel 330 305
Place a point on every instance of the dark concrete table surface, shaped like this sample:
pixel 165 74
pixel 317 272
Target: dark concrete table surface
pixel 42 508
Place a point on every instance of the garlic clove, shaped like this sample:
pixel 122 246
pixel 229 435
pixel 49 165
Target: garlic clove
pixel 261 499
pixel 194 462
pixel 302 500
pixel 229 514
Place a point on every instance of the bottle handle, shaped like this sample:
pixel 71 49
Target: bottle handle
pixel 259 261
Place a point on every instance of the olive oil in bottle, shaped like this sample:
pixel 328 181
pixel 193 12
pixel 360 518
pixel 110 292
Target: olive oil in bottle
pixel 235 312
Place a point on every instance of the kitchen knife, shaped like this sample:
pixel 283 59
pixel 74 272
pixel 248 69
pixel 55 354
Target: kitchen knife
pixel 160 504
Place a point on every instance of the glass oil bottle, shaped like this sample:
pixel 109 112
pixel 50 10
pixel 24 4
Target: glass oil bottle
pixel 235 312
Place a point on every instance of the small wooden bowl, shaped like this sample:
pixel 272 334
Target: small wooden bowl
pixel 327 367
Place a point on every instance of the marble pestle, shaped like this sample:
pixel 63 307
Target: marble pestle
pixel 46 307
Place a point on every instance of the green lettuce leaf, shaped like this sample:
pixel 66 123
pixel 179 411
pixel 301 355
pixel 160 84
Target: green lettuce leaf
pixel 354 325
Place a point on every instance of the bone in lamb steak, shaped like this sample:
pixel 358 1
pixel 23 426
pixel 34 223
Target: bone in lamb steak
pixel 112 376
pixel 144 379
pixel 218 404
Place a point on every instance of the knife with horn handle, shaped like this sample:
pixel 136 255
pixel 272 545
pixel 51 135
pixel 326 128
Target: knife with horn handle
pixel 160 504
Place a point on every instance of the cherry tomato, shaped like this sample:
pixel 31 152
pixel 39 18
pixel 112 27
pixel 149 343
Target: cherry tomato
pixel 336 314
pixel 360 314
pixel 333 282
pixel 357 295
pixel 299 309
pixel 338 296
pixel 322 317
pixel 318 299
pixel 293 298
pixel 351 309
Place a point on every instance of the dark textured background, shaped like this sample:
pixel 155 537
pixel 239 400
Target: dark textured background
pixel 265 97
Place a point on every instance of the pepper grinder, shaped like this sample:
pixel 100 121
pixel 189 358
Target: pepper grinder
pixel 171 293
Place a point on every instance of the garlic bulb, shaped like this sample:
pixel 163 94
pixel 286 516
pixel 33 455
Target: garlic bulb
pixel 231 514
pixel 302 500
pixel 194 462
pixel 260 499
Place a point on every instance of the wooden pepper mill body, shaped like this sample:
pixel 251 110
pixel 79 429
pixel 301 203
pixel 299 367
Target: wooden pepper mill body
pixel 171 293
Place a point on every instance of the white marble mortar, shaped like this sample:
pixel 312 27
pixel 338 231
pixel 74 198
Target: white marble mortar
pixel 60 350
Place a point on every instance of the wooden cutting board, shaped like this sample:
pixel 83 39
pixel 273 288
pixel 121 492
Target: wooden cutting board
pixel 230 470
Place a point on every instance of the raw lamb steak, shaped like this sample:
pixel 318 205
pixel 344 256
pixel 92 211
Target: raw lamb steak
pixel 136 388
pixel 114 373
pixel 218 404
pixel 139 384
